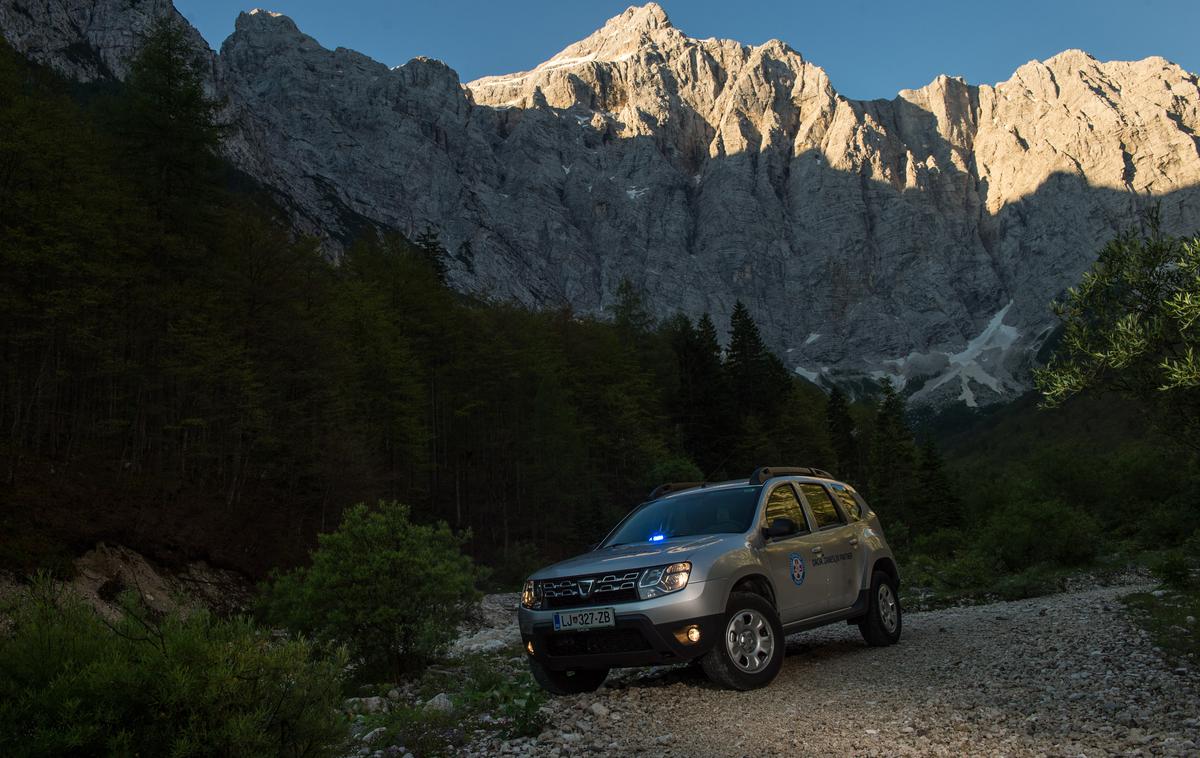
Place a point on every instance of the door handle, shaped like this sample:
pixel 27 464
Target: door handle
pixel 818 550
pixel 854 542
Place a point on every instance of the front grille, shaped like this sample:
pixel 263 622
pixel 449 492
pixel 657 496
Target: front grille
pixel 598 589
pixel 598 642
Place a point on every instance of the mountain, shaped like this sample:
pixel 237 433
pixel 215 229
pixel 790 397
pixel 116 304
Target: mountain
pixel 919 238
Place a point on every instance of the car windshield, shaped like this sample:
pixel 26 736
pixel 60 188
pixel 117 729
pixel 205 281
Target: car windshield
pixel 728 510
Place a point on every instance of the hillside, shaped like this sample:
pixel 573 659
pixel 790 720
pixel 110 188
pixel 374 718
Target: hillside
pixel 919 238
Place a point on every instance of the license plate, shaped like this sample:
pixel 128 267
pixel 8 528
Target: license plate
pixel 589 618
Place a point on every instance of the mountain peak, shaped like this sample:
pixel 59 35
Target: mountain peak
pixel 640 18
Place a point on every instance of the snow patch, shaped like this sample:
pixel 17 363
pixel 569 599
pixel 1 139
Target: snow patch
pixel 811 376
pixel 971 364
pixel 812 338
pixel 633 193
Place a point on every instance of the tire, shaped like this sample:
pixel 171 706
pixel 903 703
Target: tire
pixel 567 682
pixel 883 622
pixel 754 634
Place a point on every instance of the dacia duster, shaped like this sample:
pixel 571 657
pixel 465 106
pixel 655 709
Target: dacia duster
pixel 717 574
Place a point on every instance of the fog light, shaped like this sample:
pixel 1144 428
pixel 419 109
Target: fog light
pixel 688 635
pixel 529 647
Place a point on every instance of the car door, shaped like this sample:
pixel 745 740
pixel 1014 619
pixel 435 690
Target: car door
pixel 788 557
pixel 836 545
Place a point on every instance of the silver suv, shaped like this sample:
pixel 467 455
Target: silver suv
pixel 717 574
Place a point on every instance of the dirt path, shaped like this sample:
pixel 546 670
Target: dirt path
pixel 1060 675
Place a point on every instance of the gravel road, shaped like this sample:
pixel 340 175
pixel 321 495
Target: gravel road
pixel 1060 675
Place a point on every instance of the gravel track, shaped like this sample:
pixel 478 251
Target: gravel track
pixel 1061 675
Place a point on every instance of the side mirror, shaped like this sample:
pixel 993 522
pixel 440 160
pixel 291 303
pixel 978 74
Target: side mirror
pixel 780 527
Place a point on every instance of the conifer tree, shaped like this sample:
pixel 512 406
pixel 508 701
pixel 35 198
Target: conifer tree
pixel 842 435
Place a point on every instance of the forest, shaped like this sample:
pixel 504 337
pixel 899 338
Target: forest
pixel 184 375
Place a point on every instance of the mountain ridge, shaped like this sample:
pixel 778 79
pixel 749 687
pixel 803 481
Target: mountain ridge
pixel 876 239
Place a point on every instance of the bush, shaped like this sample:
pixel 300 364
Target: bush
pixel 72 683
pixel 390 590
pixel 1174 570
pixel 1026 532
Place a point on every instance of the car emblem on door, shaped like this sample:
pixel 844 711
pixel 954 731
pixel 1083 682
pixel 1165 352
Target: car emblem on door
pixel 585 587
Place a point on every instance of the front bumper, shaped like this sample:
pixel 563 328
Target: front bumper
pixel 644 634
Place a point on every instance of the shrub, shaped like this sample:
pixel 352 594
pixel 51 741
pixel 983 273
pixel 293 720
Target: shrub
pixel 1174 570
pixel 72 683
pixel 392 591
pixel 1026 532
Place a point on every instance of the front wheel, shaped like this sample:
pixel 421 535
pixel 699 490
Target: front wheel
pixel 571 682
pixel 751 653
pixel 881 625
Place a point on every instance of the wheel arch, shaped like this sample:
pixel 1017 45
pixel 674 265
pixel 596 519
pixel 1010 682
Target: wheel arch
pixel 759 584
pixel 887 566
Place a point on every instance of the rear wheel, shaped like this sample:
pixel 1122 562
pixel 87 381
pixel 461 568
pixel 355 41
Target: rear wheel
pixel 881 626
pixel 750 654
pixel 570 682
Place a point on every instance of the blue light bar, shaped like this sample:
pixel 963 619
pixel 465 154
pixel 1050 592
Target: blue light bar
pixel 657 537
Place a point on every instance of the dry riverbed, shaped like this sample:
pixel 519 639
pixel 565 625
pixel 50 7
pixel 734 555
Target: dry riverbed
pixel 1065 675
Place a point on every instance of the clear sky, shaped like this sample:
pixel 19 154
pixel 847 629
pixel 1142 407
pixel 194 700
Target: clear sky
pixel 869 48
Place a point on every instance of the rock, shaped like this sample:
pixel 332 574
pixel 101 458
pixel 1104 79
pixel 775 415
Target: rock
pixel 375 735
pixel 721 171
pixel 361 705
pixel 393 694
pixel 598 709
pixel 439 702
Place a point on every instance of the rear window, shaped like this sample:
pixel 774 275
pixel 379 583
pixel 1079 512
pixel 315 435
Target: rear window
pixel 823 509
pixel 846 497
pixel 728 510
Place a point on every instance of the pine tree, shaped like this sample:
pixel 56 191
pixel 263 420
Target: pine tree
pixel 936 507
pixel 169 124
pixel 892 476
pixel 429 246
pixel 842 435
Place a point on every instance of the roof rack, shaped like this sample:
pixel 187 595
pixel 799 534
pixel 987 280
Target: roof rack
pixel 669 487
pixel 764 473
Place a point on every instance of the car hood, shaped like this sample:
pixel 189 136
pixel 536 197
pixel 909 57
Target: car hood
pixel 701 551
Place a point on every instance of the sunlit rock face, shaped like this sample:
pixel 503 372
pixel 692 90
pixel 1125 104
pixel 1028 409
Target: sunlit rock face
pixel 918 239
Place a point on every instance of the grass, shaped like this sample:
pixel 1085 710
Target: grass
pixel 1166 617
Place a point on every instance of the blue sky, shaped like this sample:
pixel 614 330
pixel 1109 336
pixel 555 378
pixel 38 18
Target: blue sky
pixel 869 48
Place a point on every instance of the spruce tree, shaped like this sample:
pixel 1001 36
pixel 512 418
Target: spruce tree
pixel 169 124
pixel 842 435
pixel 892 476
pixel 429 247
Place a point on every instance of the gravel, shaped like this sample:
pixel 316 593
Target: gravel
pixel 1064 675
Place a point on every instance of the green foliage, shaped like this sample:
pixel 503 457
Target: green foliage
pixel 1174 569
pixel 389 589
pixel 168 123
pixel 1028 531
pixel 486 694
pixel 516 699
pixel 1133 326
pixel 1166 618
pixel 74 684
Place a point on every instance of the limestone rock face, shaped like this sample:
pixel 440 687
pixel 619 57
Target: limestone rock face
pixel 85 40
pixel 919 238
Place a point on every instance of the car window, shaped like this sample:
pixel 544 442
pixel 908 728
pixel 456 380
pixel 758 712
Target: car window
pixel 728 510
pixel 823 509
pixel 845 496
pixel 783 503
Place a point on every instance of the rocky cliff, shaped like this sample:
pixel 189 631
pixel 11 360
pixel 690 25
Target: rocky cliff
pixel 918 238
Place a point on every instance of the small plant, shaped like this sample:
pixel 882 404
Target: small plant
pixel 385 587
pixel 515 698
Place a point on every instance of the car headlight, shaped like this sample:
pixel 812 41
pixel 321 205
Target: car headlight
pixel 531 595
pixel 664 580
